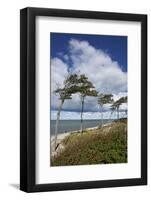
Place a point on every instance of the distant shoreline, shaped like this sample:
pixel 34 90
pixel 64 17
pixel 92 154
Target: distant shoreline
pixel 66 126
pixel 63 135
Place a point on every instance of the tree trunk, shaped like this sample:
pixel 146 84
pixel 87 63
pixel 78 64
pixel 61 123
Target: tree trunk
pixel 101 115
pixel 101 111
pixel 57 123
pixel 126 113
pixel 117 113
pixel 82 108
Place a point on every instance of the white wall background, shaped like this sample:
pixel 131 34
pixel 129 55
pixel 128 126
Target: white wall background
pixel 9 99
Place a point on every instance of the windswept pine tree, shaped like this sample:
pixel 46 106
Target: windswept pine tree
pixel 116 105
pixel 125 101
pixel 102 100
pixel 65 93
pixel 85 88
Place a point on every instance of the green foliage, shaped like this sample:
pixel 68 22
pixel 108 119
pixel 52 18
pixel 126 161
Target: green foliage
pixel 69 87
pixel 102 100
pixel 116 104
pixel 76 84
pixel 85 87
pixel 100 146
pixel 105 99
pixel 119 102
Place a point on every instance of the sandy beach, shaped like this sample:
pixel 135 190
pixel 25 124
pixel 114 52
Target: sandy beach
pixel 61 136
pixel 101 145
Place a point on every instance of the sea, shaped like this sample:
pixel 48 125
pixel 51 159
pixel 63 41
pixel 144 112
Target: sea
pixel 74 125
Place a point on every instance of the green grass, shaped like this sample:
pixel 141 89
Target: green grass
pixel 100 146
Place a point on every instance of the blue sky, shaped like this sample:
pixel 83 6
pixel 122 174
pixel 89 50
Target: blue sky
pixel 102 58
pixel 115 46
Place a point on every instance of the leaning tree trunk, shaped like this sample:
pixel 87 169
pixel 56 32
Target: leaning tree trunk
pixel 101 115
pixel 126 113
pixel 57 123
pixel 82 108
pixel 117 113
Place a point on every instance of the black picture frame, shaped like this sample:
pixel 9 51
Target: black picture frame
pixel 28 99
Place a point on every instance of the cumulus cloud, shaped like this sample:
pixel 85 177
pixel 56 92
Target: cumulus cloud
pixel 105 74
pixel 59 71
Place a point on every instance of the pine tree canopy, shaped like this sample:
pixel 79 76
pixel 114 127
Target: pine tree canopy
pixel 105 99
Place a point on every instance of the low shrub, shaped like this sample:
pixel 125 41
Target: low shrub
pixel 99 146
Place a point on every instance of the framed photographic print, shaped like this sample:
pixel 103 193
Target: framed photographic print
pixel 83 99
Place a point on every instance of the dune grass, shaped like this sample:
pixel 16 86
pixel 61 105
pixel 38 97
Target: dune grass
pixel 99 146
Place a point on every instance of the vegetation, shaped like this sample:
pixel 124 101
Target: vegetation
pixel 85 88
pixel 102 100
pixel 73 84
pixel 100 147
pixel 116 105
pixel 103 145
pixel 65 93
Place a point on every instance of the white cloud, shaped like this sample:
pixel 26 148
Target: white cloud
pixel 105 74
pixel 59 70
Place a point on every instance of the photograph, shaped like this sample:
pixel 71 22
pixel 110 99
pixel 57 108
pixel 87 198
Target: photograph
pixel 88 99
pixel 83 99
